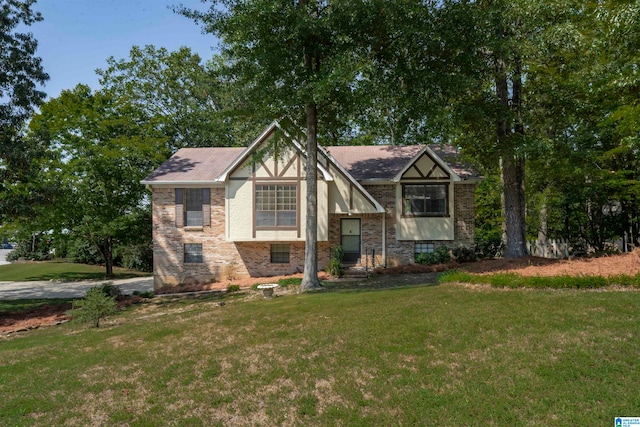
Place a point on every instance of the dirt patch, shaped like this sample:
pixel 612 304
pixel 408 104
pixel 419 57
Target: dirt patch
pixel 628 264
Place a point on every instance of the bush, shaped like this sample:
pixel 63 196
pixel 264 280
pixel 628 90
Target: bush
pixel 136 257
pixel 439 256
pixel 95 306
pixel 110 290
pixel 287 281
pixel 464 254
pixel 334 267
pixel 233 288
pixel 83 252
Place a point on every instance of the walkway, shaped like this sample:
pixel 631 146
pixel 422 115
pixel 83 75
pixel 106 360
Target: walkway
pixel 52 289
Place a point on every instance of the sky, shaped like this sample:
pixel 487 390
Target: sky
pixel 77 36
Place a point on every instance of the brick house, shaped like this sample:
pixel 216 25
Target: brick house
pixel 226 211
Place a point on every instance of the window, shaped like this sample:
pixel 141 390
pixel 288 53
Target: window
pixel 423 248
pixel 276 206
pixel 280 254
pixel 193 253
pixel 193 207
pixel 425 199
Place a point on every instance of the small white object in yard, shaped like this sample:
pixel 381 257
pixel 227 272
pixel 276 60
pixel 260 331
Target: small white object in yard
pixel 267 289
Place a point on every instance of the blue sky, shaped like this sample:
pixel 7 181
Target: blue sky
pixel 77 36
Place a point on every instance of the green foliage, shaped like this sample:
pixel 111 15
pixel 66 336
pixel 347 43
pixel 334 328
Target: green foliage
pixel 233 288
pixel 144 294
pixel 512 280
pixel 440 256
pixel 110 290
pixel 288 281
pixel 96 306
pixel 334 267
pixel 84 252
pixel 464 254
pixel 21 74
pixel 135 256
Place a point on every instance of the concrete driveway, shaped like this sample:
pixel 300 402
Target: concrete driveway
pixel 50 289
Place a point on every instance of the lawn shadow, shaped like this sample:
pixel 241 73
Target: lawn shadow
pixel 382 282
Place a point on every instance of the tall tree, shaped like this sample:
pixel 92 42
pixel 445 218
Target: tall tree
pixel 20 73
pixel 292 58
pixel 188 101
pixel 101 150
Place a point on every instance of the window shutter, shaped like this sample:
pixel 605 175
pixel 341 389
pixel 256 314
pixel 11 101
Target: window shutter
pixel 206 206
pixel 179 207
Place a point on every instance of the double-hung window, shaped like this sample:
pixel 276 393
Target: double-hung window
pixel 425 199
pixel 276 206
pixel 193 253
pixel 193 207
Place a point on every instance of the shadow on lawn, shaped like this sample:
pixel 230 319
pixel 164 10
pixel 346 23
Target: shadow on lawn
pixel 382 281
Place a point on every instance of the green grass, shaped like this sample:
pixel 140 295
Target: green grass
pixel 433 355
pixel 512 280
pixel 59 270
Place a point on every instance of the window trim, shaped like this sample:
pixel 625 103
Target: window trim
pixel 187 253
pixel 294 188
pixel 275 254
pixel 426 214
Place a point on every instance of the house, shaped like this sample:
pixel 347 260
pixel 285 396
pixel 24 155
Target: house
pixel 223 212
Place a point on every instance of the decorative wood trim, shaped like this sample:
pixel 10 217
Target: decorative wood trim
pixel 288 166
pixel 414 166
pixel 267 169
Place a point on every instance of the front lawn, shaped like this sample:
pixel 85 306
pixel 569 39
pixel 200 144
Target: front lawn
pixel 59 270
pixel 432 355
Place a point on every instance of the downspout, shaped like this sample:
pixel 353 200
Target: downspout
pixel 384 239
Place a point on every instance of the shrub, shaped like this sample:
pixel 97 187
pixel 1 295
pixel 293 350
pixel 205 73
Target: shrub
pixel 143 294
pixel 287 281
pixel 439 256
pixel 334 267
pixel 464 254
pixel 233 288
pixel 95 306
pixel 135 257
pixel 110 290
pixel 83 252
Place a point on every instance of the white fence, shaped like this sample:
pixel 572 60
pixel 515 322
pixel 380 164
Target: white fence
pixel 552 248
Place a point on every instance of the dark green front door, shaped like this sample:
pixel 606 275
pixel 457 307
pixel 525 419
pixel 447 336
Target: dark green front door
pixel 350 239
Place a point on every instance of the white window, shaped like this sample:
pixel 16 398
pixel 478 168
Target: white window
pixel 193 253
pixel 422 248
pixel 425 199
pixel 276 206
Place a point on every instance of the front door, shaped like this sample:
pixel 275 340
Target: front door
pixel 350 239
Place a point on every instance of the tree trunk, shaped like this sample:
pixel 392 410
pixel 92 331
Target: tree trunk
pixel 108 257
pixel 310 280
pixel 512 164
pixel 513 178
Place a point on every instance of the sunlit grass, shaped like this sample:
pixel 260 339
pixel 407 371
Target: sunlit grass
pixel 59 270
pixel 436 355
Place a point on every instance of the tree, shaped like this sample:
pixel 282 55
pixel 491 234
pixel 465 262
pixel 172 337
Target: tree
pixel 20 73
pixel 102 150
pixel 298 59
pixel 188 102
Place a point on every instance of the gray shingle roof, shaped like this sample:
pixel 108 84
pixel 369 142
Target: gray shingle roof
pixel 195 164
pixel 371 162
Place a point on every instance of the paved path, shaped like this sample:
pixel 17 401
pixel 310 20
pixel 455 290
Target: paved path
pixel 48 289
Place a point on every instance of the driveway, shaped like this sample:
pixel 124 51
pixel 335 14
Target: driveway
pixel 50 289
pixel 3 256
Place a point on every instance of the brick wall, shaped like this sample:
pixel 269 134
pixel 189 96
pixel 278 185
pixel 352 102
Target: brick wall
pixel 222 260
pixel 464 214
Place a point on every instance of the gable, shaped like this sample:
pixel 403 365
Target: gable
pixel 425 167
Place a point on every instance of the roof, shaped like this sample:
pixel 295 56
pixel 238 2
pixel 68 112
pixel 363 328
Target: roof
pixel 195 164
pixel 374 162
pixel 364 163
pixel 384 162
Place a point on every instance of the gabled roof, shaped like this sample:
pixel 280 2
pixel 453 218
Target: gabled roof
pixel 387 162
pixel 194 165
pixel 212 165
